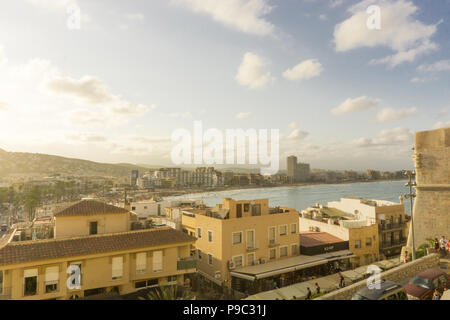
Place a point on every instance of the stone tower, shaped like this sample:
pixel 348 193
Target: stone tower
pixel 432 204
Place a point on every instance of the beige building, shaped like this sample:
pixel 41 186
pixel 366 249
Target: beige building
pixel 237 234
pixel 362 236
pixel 94 252
pixel 432 204
pixel 388 216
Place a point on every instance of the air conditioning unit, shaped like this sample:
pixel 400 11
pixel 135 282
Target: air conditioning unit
pixel 231 265
pixel 262 260
pixel 218 275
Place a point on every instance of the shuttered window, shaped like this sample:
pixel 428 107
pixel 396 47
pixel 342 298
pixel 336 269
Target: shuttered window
pixel 117 268
pixel 141 262
pixel 52 274
pixel 30 273
pixel 157 261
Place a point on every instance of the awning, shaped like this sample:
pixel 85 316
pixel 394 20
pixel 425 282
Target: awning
pixel 337 255
pixel 278 267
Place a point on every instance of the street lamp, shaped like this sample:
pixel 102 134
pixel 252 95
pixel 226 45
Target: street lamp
pixel 411 175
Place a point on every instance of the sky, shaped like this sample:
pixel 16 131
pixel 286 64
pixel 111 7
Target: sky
pixel 110 81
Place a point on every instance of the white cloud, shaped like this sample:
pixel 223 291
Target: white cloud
pixel 443 65
pixel 87 117
pixel 400 31
pixel 182 115
pixel 252 72
pixel 388 137
pixel 86 137
pixel 243 115
pixel 355 105
pixel 89 89
pixel 305 70
pixel 323 17
pixel 243 15
pixel 293 125
pixel 441 124
pixel 297 134
pixel 94 91
pixel 389 114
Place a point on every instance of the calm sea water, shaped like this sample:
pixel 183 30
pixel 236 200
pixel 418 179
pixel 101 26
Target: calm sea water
pixel 304 196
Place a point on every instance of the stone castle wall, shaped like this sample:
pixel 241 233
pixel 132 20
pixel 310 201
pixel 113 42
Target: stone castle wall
pixel 432 204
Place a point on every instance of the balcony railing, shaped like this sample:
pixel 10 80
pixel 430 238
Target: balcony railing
pixel 186 264
pixel 252 246
pixel 394 243
pixel 392 226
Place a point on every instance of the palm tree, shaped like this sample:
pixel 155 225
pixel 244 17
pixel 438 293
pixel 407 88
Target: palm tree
pixel 169 293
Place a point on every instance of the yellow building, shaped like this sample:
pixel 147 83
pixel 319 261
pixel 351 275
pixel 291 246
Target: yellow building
pixel 94 252
pixel 237 234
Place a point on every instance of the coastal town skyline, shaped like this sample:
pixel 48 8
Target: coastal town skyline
pixel 262 66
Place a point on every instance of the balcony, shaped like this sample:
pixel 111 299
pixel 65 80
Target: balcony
pixel 186 264
pixel 391 226
pixel 392 244
pixel 273 243
pixel 252 246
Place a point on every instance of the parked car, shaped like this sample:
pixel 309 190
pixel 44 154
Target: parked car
pixel 388 290
pixel 423 285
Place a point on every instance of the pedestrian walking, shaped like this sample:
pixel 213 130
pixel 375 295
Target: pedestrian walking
pixel 406 257
pixel 317 288
pixel 436 244
pixel 309 294
pixel 341 281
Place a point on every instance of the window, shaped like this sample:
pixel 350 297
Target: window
pixel 237 237
pixel 199 233
pixel 30 282
pixel 283 230
pixel 294 228
pixel 51 279
pixel 117 268
pixel 251 259
pixel 256 210
pixel 238 261
pixel 133 208
pixel 141 262
pixel 146 283
pixel 145 207
pixel 272 235
pixel 368 242
pixel 199 254
pixel 210 259
pixel 435 283
pixel 157 261
pixel 210 236
pixel 294 249
pixel 239 210
pixel 246 207
pixel 273 253
pixel 357 244
pixel 93 227
pixel 251 239
pixel 283 251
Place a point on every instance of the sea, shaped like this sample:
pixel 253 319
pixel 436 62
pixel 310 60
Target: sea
pixel 301 197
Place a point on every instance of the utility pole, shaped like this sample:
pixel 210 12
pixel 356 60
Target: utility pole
pixel 411 184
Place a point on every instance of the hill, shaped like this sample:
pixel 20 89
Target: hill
pixel 17 163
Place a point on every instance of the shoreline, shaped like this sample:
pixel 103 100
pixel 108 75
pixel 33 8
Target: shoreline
pixel 257 187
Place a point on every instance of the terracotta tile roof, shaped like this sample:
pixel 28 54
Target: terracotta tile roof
pixel 312 239
pixel 26 251
pixel 89 207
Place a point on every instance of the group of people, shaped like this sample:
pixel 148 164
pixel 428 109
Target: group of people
pixel 442 246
